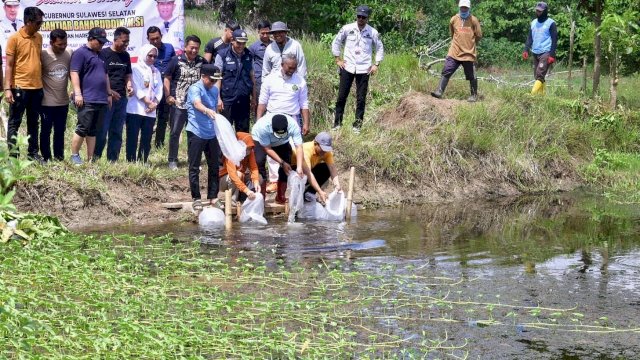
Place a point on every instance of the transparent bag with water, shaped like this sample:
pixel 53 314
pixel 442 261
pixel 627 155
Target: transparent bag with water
pixel 232 148
pixel 253 210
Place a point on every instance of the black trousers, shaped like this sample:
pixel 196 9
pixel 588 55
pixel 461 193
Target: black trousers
pixel 53 117
pixel 29 100
pixel 178 122
pixel 211 150
pixel 321 173
pixel 362 86
pixel 284 151
pixel 237 112
pixel 162 112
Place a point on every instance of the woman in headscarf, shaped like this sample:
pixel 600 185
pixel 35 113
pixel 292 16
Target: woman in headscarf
pixel 232 177
pixel 141 108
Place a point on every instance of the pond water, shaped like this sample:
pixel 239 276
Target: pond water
pixel 533 277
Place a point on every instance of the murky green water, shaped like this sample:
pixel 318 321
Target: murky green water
pixel 539 277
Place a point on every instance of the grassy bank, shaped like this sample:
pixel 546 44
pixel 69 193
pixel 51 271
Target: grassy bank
pixel 444 147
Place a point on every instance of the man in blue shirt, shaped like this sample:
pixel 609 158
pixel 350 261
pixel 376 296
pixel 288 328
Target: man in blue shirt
pixel 272 132
pixel 542 41
pixel 257 50
pixel 165 53
pixel 201 103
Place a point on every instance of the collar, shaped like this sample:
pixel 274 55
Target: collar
pixel 184 58
pixel 23 33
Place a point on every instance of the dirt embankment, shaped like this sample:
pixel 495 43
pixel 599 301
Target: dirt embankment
pixel 141 203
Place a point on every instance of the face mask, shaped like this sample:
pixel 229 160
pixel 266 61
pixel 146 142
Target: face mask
pixel 465 15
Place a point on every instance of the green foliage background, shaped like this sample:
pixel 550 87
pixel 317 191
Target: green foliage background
pixel 408 25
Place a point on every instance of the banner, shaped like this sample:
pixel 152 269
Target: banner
pixel 77 17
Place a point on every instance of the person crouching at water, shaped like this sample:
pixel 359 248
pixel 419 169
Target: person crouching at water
pixel 141 108
pixel 272 133
pixel 233 177
pixel 201 104
pixel 318 156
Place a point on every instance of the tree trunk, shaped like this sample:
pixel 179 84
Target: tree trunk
pixel 583 88
pixel 597 47
pixel 613 101
pixel 571 39
pixel 227 10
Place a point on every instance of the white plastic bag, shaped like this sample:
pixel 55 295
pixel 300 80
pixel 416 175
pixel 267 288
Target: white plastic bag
pixel 211 217
pixel 335 206
pixel 253 210
pixel 296 185
pixel 313 210
pixel 232 148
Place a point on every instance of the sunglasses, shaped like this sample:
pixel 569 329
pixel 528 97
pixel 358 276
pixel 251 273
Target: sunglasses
pixel 361 17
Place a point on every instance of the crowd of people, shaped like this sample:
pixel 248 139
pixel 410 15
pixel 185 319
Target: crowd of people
pixel 181 89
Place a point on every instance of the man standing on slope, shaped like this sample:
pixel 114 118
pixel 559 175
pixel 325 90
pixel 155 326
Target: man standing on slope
pixel 359 40
pixel 465 34
pixel 542 41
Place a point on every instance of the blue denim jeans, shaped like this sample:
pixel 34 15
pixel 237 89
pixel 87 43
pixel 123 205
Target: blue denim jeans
pixel 111 132
pixel 142 126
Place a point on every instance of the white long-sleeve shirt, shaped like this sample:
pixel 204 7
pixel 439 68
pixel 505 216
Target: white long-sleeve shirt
pixel 135 104
pixel 273 57
pixel 284 96
pixel 358 47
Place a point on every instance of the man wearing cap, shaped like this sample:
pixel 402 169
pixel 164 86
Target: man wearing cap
pixel 465 34
pixel 170 25
pixel 282 45
pixel 238 84
pixel 359 40
pixel 215 45
pixel 182 72
pixel 318 155
pixel 10 24
pixel 23 80
pixel 165 53
pixel 257 50
pixel 542 41
pixel 272 133
pixel 285 92
pixel 91 92
pixel 201 103
pixel 118 63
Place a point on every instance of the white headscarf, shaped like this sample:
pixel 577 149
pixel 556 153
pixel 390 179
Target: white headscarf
pixel 148 72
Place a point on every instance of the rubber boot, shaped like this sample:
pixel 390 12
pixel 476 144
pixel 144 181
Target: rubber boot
pixel 543 88
pixel 538 87
pixel 280 193
pixel 440 90
pixel 473 85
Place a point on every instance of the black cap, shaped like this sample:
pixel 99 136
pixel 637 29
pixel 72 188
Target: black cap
pixel 363 10
pixel 212 71
pixel 279 124
pixel 98 34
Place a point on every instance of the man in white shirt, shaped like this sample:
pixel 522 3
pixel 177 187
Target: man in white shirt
pixel 10 23
pixel 282 45
pixel 359 40
pixel 285 92
pixel 171 27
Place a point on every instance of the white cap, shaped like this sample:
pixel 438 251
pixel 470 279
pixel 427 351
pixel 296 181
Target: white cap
pixel 466 3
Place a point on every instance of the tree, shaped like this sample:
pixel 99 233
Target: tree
pixel 621 35
pixel 595 9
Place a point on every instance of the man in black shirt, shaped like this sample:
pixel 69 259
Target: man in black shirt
pixel 118 63
pixel 215 45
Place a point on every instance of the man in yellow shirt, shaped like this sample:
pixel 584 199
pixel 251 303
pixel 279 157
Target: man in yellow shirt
pixel 23 80
pixel 318 154
pixel 465 33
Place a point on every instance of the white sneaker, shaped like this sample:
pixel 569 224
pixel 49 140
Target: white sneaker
pixel 335 128
pixel 356 131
